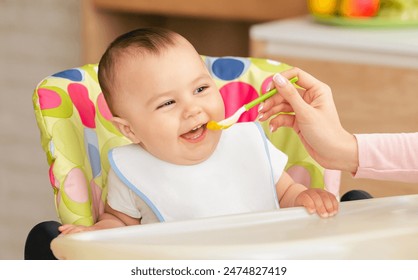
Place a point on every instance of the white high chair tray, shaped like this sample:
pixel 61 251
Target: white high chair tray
pixel 379 228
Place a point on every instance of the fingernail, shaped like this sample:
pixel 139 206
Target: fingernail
pixel 260 107
pixel 270 86
pixel 279 79
pixel 271 128
pixel 260 116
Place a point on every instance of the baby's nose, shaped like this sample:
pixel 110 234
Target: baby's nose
pixel 192 110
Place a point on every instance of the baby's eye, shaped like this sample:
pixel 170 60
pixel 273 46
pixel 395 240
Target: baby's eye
pixel 200 89
pixel 165 104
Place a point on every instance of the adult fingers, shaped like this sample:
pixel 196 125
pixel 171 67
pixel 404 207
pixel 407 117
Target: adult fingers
pixel 282 120
pixel 290 93
pixel 305 80
pixel 272 109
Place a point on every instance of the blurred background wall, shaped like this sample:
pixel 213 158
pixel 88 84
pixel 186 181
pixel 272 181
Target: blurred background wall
pixel 37 38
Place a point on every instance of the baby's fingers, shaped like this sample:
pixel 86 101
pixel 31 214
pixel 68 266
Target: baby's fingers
pixel 306 201
pixel 320 206
pixel 67 229
pixel 330 202
pixel 318 201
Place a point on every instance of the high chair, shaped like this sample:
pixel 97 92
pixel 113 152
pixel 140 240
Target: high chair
pixel 76 133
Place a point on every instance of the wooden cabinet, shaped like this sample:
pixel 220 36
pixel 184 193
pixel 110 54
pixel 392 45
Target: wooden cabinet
pixel 215 27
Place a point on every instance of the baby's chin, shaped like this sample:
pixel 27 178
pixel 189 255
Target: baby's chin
pixel 188 158
pixel 193 159
pixel 187 153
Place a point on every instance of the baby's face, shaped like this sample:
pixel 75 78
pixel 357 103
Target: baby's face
pixel 167 100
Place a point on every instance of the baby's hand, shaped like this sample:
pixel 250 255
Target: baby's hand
pixel 320 201
pixel 69 228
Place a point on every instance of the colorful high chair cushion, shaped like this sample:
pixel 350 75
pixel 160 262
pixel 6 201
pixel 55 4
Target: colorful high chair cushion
pixel 76 133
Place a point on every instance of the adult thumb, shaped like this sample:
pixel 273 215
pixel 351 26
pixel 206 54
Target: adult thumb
pixel 289 92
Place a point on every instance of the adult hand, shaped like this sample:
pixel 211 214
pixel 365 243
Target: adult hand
pixel 315 119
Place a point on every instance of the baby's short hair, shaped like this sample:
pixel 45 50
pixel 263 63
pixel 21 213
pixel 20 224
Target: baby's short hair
pixel 149 40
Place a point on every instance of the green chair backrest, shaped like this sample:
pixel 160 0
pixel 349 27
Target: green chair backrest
pixel 76 134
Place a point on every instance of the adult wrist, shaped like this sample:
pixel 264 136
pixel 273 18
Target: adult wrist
pixel 350 158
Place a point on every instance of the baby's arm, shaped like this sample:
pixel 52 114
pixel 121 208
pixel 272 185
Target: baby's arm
pixel 109 219
pixel 292 194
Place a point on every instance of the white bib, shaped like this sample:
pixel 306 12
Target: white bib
pixel 237 178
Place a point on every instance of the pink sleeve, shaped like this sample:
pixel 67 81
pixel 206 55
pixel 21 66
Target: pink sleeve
pixel 392 157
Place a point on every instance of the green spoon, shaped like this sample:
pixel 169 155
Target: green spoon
pixel 234 118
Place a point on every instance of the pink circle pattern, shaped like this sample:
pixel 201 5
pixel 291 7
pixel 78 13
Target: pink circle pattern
pixel 48 99
pixel 235 95
pixel 80 96
pixel 103 108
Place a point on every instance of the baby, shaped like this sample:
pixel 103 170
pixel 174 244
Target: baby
pixel 162 96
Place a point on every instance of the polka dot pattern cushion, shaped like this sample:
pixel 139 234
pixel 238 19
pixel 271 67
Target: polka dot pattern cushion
pixel 76 133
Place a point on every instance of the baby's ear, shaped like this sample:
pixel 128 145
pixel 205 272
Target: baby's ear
pixel 125 128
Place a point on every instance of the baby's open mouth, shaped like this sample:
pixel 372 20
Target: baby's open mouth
pixel 195 133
